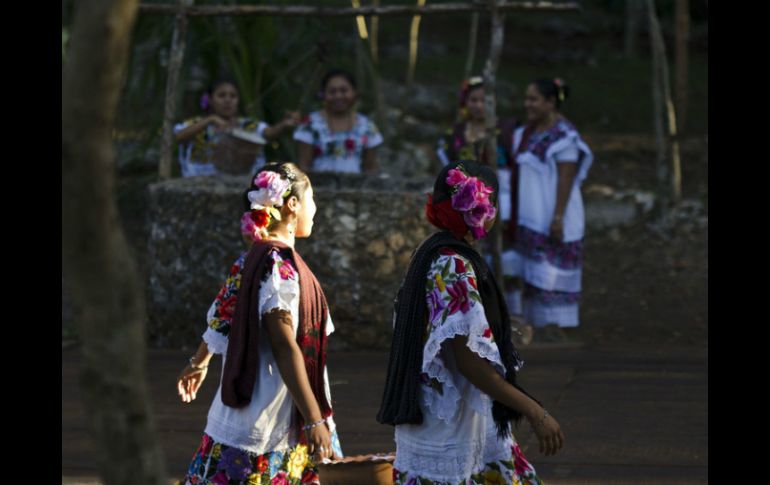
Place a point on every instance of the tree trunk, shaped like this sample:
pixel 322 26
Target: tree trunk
pixel 682 60
pixel 374 28
pixel 178 43
pixel 413 40
pixel 95 255
pixel 362 36
pixel 663 99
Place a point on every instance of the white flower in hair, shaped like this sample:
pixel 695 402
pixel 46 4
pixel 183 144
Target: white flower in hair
pixel 271 189
pixel 260 199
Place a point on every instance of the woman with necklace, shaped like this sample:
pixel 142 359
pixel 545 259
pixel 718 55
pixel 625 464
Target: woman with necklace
pixel 271 420
pixel 467 141
pixel 337 138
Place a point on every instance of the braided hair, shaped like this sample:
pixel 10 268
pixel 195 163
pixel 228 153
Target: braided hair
pixel 400 403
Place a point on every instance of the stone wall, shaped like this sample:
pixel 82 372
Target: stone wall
pixel 364 233
pixel 362 239
pixel 365 230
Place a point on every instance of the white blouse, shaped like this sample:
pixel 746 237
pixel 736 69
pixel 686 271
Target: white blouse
pixel 458 435
pixel 265 424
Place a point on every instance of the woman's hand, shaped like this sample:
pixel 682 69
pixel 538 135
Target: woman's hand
pixel 548 432
pixel 189 381
pixel 556 230
pixel 320 442
pixel 220 124
pixel 291 119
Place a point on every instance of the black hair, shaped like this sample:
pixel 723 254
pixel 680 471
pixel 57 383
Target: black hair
pixel 338 73
pixel 287 170
pixel 552 88
pixel 218 82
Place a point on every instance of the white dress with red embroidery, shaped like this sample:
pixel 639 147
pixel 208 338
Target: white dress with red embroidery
pixel 338 151
pixel 196 154
pixel 266 423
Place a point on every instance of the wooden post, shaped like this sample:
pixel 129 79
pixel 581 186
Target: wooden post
pixel 490 71
pixel 359 38
pixel 410 68
pixel 375 28
pixel 663 99
pixel 413 33
pixel 682 60
pixel 379 100
pixel 305 11
pixel 676 161
pixel 362 35
pixel 178 44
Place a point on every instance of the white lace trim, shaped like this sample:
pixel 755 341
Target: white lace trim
pixel 216 342
pixel 472 324
pixel 572 139
pixel 447 407
pixel 539 314
pixel 441 461
pixel 256 441
pixel 547 276
pixel 585 156
pixel 278 293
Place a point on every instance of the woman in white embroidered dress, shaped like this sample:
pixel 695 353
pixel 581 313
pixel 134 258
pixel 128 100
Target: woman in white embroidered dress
pixel 261 442
pixel 337 138
pixel 199 136
pixel 553 160
pixel 451 389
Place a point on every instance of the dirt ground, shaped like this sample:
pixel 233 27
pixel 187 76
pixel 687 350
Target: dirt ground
pixel 649 281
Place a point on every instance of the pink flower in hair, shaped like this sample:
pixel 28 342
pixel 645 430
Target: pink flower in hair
pixel 455 177
pixel 477 216
pixel 249 227
pixel 470 197
pixel 482 192
pixel 264 179
pixel 465 197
